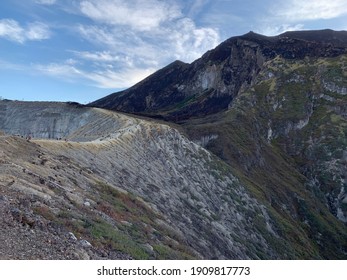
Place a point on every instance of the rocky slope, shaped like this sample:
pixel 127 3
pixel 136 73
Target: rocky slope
pixel 272 108
pixel 120 187
pixel 286 137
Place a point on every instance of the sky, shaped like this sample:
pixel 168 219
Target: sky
pixel 82 50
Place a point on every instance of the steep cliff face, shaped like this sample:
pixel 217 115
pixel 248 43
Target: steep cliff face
pixel 304 107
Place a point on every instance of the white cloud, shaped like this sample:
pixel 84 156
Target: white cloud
pixel 13 31
pixel 37 31
pixel 189 42
pixel 272 30
pixel 292 15
pixel 138 14
pixel 105 78
pixel 300 10
pixel 103 56
pixel 131 56
pixel 157 32
pixel 127 46
pixel 181 39
pixel 98 35
pixel 137 37
pixel 65 70
pixel 118 79
pixel 45 2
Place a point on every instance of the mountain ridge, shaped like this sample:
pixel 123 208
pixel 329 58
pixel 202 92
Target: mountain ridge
pixel 194 89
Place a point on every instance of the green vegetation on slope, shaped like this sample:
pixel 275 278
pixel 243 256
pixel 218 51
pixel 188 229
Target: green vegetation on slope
pixel 285 138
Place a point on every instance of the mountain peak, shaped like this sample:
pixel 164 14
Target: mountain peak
pixel 254 35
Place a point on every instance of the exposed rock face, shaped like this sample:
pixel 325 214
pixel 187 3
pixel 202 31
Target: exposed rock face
pixel 52 120
pixel 307 120
pixel 209 84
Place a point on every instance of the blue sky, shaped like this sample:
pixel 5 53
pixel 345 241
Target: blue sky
pixel 82 50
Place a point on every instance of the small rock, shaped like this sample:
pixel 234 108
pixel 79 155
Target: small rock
pixel 87 203
pixel 72 236
pixel 148 248
pixel 85 243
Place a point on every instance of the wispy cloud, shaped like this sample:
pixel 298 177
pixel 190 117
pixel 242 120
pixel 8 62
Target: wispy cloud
pixel 13 31
pixel 6 65
pixel 105 58
pixel 166 37
pixel 118 79
pixel 298 10
pixel 102 78
pixel 272 30
pixel 37 31
pixel 138 53
pixel 137 37
pixel 45 2
pixel 120 43
pixel 196 7
pixel 138 14
pixel 64 70
pixel 189 42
